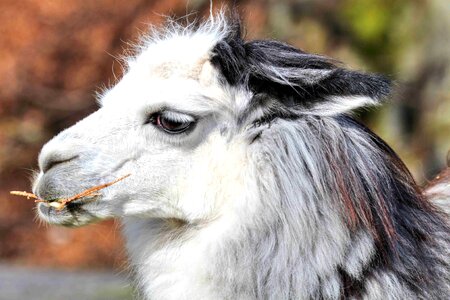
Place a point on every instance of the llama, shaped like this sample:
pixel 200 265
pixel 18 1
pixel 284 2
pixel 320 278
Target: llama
pixel 250 179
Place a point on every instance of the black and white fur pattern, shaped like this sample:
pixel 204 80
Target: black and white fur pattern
pixel 279 194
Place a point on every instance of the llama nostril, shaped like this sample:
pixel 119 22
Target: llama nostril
pixel 54 160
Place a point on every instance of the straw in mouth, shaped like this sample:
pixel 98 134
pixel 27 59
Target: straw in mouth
pixel 59 204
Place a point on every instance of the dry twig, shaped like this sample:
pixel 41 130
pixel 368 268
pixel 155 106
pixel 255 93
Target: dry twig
pixel 61 203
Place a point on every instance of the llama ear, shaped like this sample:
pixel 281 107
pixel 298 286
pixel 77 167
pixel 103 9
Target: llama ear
pixel 302 82
pixel 344 90
pixel 336 91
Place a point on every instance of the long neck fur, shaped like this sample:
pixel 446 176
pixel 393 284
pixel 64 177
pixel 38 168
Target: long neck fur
pixel 328 212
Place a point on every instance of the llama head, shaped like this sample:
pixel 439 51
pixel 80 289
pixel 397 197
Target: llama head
pixel 183 122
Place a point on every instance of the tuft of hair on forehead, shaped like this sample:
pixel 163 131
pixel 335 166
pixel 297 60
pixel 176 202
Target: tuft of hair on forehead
pixel 280 78
pixel 174 30
pixel 296 79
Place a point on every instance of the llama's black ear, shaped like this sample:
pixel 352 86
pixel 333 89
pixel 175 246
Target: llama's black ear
pixel 310 83
pixel 307 82
pixel 345 90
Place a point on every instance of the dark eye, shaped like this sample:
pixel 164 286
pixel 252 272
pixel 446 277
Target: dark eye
pixel 172 122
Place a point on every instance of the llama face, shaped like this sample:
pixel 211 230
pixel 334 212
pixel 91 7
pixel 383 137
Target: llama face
pixel 181 122
pixel 154 124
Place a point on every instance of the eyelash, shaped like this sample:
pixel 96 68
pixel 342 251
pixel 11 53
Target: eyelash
pixel 171 125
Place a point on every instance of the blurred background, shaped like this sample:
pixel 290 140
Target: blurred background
pixel 55 55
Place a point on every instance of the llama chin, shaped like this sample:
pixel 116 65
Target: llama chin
pixel 250 178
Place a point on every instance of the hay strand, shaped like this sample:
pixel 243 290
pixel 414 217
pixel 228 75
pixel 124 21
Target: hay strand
pixel 61 203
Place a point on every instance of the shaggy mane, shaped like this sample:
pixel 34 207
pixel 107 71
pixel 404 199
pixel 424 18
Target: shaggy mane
pixel 352 165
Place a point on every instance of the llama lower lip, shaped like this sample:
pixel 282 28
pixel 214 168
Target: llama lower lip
pixel 63 217
pixel 46 210
pixel 46 207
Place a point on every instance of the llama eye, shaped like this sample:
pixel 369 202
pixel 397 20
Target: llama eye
pixel 172 122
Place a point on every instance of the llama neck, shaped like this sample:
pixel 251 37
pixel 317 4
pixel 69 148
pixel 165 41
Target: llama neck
pixel 265 258
pixel 224 261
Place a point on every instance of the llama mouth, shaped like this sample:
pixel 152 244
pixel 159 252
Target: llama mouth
pixel 73 215
pixel 47 208
pixel 51 199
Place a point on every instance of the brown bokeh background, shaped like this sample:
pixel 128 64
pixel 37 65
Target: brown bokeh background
pixel 54 56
